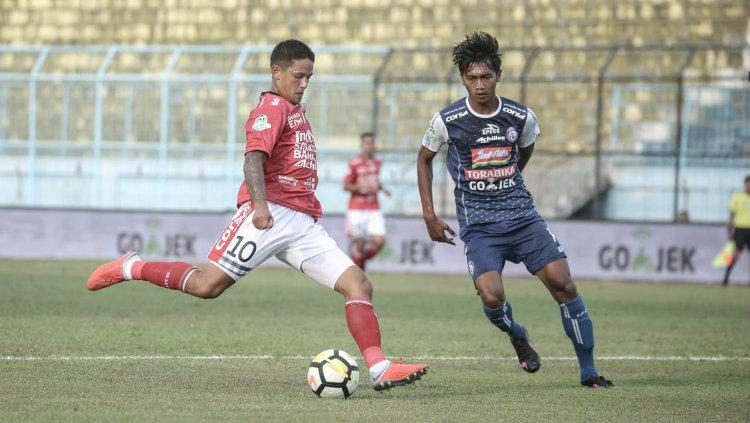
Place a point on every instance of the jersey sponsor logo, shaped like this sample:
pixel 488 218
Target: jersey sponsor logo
pixel 233 226
pixel 451 118
pixel 261 123
pixel 491 185
pixel 311 183
pixel 455 109
pixel 304 150
pixel 494 173
pixel 490 156
pixel 490 129
pixel 514 112
pixel 511 134
pixel 296 120
pixel 287 180
pixel 275 101
pixel 485 140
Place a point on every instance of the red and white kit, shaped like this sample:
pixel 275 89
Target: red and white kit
pixel 363 216
pixel 280 129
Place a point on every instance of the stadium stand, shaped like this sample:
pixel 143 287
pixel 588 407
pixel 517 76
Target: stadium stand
pixel 406 23
pixel 387 66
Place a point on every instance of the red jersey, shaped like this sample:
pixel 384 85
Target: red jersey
pixel 366 174
pixel 280 129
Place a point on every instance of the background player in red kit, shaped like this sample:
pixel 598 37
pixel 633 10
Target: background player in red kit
pixel 277 216
pixel 365 224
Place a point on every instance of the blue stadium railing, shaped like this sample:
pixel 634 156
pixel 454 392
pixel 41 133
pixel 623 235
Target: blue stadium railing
pixel 78 122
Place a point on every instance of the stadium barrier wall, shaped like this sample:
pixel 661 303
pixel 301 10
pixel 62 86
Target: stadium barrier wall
pixel 596 250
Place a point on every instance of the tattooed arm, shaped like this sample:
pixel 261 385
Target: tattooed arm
pixel 256 185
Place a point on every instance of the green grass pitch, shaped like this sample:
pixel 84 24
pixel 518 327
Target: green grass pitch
pixel 274 319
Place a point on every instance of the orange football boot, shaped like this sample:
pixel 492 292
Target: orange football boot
pixel 399 373
pixel 108 274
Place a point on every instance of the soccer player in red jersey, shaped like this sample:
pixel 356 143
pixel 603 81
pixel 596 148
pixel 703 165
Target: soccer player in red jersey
pixel 365 224
pixel 278 216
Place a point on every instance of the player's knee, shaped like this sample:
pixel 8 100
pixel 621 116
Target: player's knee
pixel 367 288
pixel 363 287
pixel 569 290
pixel 355 285
pixel 492 297
pixel 564 290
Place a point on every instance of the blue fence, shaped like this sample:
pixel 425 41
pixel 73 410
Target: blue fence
pixel 162 127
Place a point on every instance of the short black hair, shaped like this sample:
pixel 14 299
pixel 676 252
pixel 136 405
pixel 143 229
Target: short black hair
pixel 747 178
pixel 364 135
pixel 288 51
pixel 479 47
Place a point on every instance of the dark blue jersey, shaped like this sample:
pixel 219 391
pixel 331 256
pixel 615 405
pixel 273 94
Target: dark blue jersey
pixel 483 162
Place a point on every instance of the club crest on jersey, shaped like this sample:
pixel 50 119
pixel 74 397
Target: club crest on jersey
pixel 490 156
pixel 511 134
pixel 261 123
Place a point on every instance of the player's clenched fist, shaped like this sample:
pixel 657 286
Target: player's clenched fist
pixel 262 218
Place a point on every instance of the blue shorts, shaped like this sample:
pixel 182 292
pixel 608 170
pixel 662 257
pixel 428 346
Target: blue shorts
pixel 533 244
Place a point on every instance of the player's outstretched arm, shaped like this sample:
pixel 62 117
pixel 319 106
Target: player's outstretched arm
pixel 435 226
pixel 256 186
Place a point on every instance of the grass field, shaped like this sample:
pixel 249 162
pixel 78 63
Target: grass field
pixel 135 353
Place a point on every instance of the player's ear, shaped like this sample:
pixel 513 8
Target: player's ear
pixel 276 71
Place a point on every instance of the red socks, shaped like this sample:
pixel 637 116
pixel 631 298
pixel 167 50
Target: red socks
pixel 172 275
pixel 360 257
pixel 363 325
pixel 370 252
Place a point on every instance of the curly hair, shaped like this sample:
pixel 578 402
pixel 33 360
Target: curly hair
pixel 479 47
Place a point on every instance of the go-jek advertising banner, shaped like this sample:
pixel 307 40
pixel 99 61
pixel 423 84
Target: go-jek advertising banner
pixel 596 250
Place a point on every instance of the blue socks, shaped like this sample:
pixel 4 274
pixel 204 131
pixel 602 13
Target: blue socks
pixel 502 318
pixel 578 327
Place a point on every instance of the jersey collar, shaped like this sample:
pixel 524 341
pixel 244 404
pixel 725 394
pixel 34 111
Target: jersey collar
pixel 479 115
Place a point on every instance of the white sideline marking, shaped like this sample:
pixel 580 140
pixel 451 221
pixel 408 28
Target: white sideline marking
pixel 303 357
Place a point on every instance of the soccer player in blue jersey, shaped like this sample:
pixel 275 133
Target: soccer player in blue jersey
pixel 490 140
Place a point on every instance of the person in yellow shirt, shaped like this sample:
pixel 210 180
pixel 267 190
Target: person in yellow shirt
pixel 739 225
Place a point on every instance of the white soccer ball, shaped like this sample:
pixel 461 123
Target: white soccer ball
pixel 333 374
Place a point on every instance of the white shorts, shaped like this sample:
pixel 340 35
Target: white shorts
pixel 364 223
pixel 295 238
